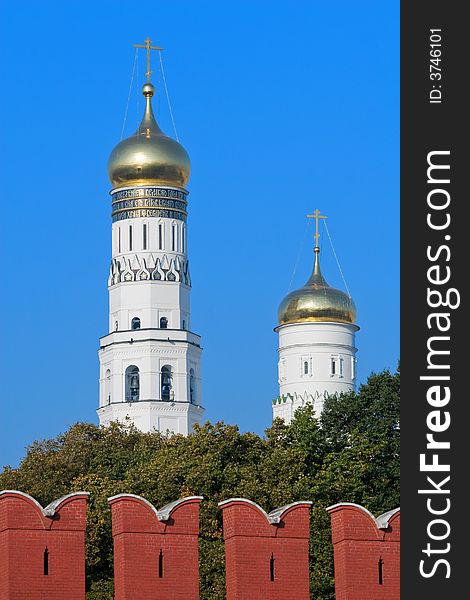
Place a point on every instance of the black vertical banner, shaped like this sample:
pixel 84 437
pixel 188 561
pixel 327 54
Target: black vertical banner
pixel 435 268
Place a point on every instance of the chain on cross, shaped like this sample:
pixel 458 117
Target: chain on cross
pixel 317 216
pixel 148 46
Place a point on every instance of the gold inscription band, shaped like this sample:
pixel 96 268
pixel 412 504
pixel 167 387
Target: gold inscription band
pixel 135 213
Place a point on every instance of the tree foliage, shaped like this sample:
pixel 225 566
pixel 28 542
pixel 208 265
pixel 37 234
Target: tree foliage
pixel 352 455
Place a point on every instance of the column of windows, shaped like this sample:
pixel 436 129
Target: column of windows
pixel 132 384
pixel 178 238
pixel 132 373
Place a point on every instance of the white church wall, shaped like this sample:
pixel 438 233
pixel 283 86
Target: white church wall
pixel 150 301
pixel 315 360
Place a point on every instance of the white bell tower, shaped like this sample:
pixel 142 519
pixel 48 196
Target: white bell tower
pixel 150 359
pixel 317 352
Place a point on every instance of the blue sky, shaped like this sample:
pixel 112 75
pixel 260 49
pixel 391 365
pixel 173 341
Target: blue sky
pixel 282 107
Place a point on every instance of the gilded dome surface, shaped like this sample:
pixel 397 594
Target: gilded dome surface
pixel 148 156
pixel 316 301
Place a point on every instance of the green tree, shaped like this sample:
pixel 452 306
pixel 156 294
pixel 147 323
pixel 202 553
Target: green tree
pixel 366 425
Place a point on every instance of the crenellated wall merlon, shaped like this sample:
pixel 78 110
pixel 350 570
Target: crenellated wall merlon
pixel 42 550
pixel 266 554
pixel 367 545
pixel 155 550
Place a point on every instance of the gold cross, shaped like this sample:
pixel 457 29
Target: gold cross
pixel 316 215
pixel 148 46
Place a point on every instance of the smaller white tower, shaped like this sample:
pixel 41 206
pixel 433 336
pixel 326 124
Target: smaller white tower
pixel 317 353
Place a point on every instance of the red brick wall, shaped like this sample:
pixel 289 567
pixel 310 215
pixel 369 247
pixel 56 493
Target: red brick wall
pixel 26 532
pixel 142 534
pixel 360 542
pixel 156 551
pixel 264 560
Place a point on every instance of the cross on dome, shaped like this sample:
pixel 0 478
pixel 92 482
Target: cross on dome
pixel 316 215
pixel 148 46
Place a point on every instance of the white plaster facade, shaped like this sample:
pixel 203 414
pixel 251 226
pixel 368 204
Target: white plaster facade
pixel 316 359
pixel 150 360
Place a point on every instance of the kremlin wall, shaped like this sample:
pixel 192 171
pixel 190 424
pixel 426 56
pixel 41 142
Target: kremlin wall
pixel 42 550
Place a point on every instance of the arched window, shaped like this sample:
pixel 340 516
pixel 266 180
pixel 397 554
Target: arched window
pixel 353 367
pixel 192 386
pixel 160 236
pixel 163 323
pixel 135 323
pixel 334 365
pixel 107 386
pixel 132 384
pixel 305 367
pixel 166 382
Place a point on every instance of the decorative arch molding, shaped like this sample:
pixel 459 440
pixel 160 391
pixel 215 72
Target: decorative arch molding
pixel 51 509
pixel 381 522
pixel 275 516
pixel 173 270
pixel 163 514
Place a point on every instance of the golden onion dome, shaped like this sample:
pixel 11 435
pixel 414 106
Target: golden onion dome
pixel 316 301
pixel 148 156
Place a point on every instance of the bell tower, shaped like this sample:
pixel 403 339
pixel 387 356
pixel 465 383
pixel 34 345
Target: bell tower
pixel 317 352
pixel 150 359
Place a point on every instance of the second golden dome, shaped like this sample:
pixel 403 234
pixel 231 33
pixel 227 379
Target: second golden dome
pixel 316 301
